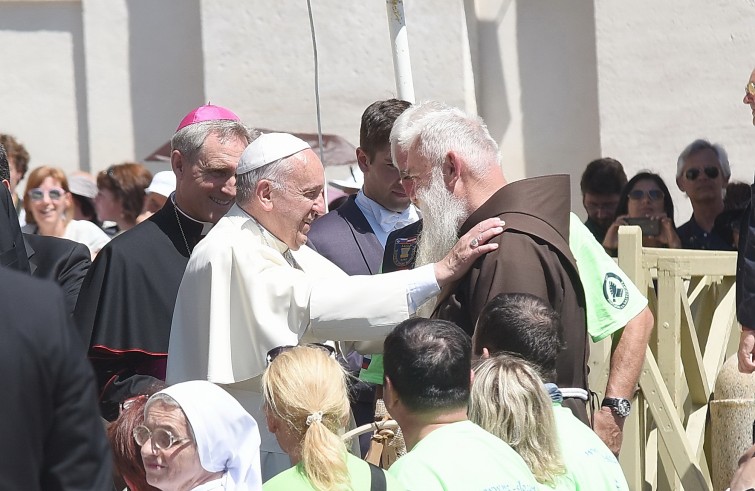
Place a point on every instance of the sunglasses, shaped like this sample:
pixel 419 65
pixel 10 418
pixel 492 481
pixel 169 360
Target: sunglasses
pixel 653 194
pixel 711 172
pixel 38 194
pixel 275 352
pixel 124 405
pixel 161 438
pixel 750 88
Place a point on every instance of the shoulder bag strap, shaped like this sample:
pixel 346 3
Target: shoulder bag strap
pixel 377 478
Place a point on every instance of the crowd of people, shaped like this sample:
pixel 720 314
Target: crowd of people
pixel 226 329
pixel 702 173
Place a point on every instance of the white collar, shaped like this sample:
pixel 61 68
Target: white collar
pixel 206 226
pixel 387 219
pixel 267 236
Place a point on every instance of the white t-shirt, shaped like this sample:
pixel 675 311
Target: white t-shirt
pixel 82 231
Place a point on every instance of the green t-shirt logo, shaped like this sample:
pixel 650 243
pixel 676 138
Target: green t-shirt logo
pixel 615 291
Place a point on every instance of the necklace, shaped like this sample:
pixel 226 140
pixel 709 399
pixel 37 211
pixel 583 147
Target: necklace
pixel 180 227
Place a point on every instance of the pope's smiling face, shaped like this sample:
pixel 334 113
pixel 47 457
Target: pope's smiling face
pixel 299 200
pixel 207 189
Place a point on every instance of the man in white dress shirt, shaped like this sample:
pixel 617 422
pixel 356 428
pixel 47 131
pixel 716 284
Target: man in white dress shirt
pixel 250 286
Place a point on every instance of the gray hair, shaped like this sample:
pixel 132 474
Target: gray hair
pixel 276 172
pixel 190 139
pixel 167 400
pixel 409 118
pixel 433 129
pixel 699 145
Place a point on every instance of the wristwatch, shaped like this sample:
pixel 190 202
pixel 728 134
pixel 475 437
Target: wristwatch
pixel 618 405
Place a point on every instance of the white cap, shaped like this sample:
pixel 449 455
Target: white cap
pixel 267 149
pixel 162 183
pixel 354 181
pixel 82 185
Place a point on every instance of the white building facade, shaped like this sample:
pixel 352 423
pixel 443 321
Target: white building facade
pixel 89 83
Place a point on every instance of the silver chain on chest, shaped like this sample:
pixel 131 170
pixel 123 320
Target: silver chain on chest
pixel 180 227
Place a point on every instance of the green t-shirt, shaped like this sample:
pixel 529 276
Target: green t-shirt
pixel 590 465
pixel 612 299
pixel 374 371
pixel 294 479
pixel 462 456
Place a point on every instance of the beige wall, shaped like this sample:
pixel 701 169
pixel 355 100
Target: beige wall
pixel 90 83
pixel 671 72
pixel 144 72
pixel 259 60
pixel 537 85
pixel 43 81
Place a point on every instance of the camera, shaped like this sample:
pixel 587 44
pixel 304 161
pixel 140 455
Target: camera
pixel 650 226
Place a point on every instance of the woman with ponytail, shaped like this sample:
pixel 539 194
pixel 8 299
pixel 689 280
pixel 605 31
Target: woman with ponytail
pixel 307 407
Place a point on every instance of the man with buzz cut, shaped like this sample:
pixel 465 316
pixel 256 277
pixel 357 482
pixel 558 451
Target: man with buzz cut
pixel 428 378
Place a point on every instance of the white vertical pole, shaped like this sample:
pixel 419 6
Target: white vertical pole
pixel 402 66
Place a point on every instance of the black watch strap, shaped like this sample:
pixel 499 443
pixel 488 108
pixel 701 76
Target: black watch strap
pixel 619 405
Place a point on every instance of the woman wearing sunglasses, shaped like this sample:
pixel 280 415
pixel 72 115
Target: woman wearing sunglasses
pixel 197 437
pixel 645 201
pixel 307 405
pixel 49 210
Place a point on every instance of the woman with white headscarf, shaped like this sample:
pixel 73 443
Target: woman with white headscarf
pixel 197 437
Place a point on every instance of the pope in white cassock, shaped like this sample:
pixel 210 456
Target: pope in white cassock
pixel 250 286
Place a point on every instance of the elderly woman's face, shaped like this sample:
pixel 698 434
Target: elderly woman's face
pixel 178 467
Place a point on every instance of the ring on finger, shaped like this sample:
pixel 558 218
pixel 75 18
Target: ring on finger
pixel 474 243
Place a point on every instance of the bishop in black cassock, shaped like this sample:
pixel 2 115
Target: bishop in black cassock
pixel 126 302
pixel 125 306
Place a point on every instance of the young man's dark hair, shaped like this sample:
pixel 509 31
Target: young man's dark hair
pixel 16 152
pixel 603 176
pixel 428 362
pixel 521 324
pixel 377 122
pixel 4 167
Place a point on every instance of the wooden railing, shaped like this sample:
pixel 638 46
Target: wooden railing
pixel 691 295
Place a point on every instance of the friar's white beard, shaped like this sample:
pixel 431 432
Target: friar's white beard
pixel 442 215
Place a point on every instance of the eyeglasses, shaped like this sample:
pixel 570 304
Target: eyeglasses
pixel 750 89
pixel 275 352
pixel 711 172
pixel 653 194
pixel 161 438
pixel 38 194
